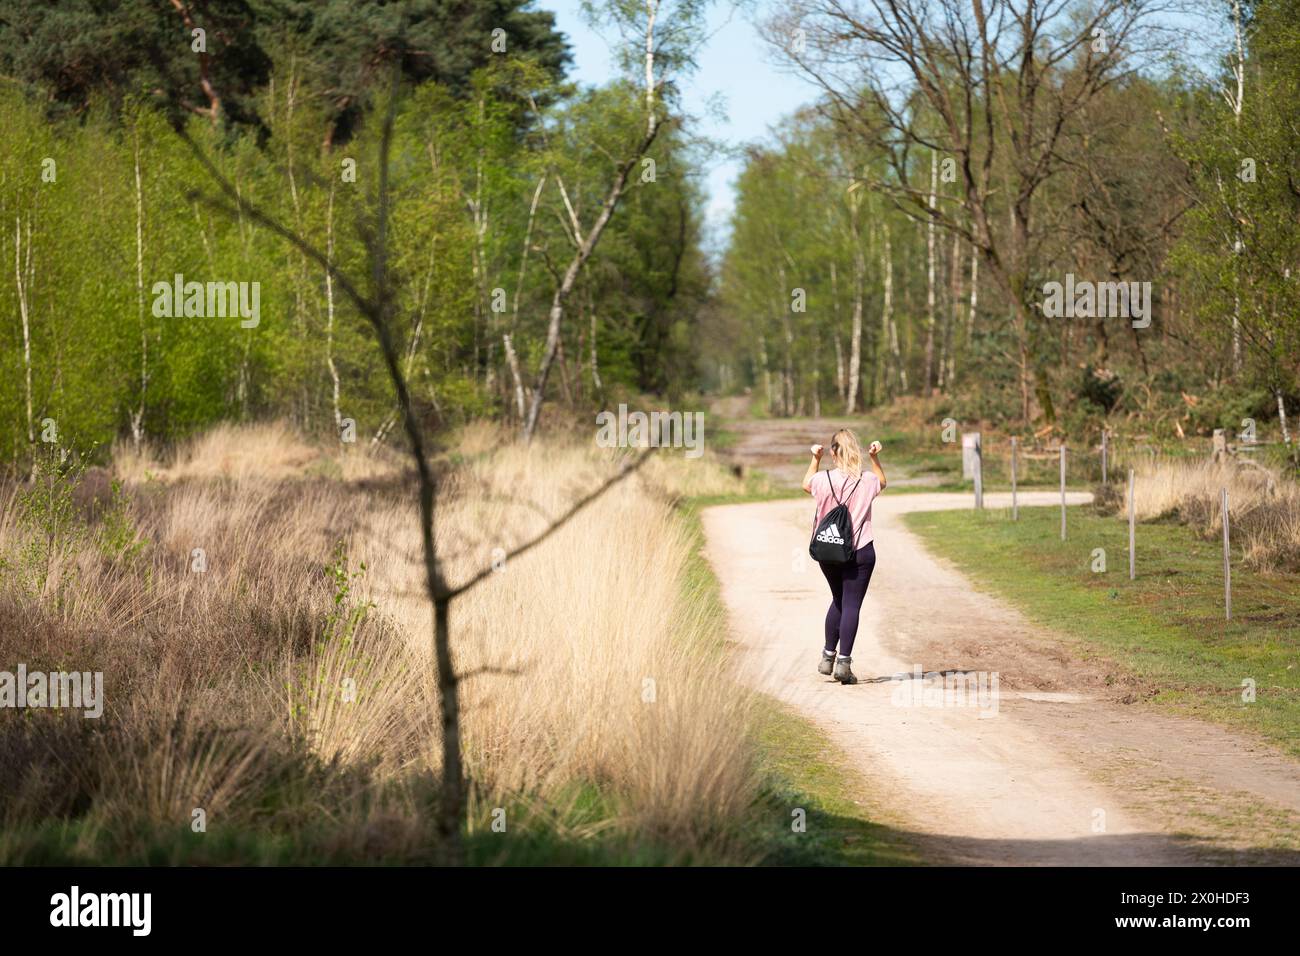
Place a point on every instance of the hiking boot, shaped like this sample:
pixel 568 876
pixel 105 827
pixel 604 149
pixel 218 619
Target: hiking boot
pixel 843 672
pixel 827 664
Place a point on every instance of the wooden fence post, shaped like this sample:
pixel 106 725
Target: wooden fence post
pixel 1015 511
pixel 1227 564
pixel 979 472
pixel 1062 491
pixel 1132 519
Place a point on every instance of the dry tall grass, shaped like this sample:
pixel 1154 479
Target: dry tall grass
pixel 1263 506
pixel 266 451
pixel 287 687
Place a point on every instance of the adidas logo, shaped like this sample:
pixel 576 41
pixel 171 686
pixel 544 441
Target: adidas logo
pixel 831 535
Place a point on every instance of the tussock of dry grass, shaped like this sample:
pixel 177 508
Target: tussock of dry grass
pixel 1264 506
pixel 270 451
pixel 602 643
pixel 268 693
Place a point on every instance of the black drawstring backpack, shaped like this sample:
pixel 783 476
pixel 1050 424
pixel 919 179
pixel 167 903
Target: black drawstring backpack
pixel 832 541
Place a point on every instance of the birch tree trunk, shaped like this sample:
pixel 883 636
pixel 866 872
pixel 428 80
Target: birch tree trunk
pixel 1281 417
pixel 652 13
pixel 855 332
pixel 513 361
pixel 137 417
pixel 1236 103
pixel 952 321
pixel 597 386
pixel 929 282
pixel 841 381
pixel 23 275
pixel 974 295
pixel 888 327
pixel 787 339
pixel 478 255
pixel 329 313
pixel 563 364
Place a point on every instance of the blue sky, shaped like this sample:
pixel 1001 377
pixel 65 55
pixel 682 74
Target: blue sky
pixel 736 73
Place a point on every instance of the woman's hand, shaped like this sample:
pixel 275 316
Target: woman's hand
pixel 873 452
pixel 812 467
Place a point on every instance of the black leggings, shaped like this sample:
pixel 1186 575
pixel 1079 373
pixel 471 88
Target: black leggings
pixel 848 587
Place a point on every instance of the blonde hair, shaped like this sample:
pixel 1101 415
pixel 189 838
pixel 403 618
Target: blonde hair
pixel 847 452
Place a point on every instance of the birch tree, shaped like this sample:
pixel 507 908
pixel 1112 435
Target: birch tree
pixel 660 38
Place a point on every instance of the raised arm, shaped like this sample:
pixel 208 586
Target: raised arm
pixel 812 468
pixel 874 454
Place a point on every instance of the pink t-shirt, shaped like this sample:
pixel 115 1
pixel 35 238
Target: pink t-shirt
pixel 859 500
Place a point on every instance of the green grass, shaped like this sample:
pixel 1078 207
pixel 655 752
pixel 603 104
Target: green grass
pixel 720 439
pixel 803 770
pixel 1167 627
pixel 761 492
pixel 579 834
pixel 916 453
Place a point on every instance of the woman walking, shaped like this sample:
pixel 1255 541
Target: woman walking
pixel 845 485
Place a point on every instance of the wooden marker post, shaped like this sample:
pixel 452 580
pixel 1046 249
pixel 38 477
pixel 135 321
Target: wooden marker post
pixel 1015 511
pixel 1132 549
pixel 1062 491
pixel 1227 563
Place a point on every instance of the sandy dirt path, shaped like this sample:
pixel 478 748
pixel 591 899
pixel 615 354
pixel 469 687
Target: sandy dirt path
pixel 1052 770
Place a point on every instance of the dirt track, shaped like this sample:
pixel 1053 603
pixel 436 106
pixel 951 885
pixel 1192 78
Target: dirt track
pixel 1062 772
